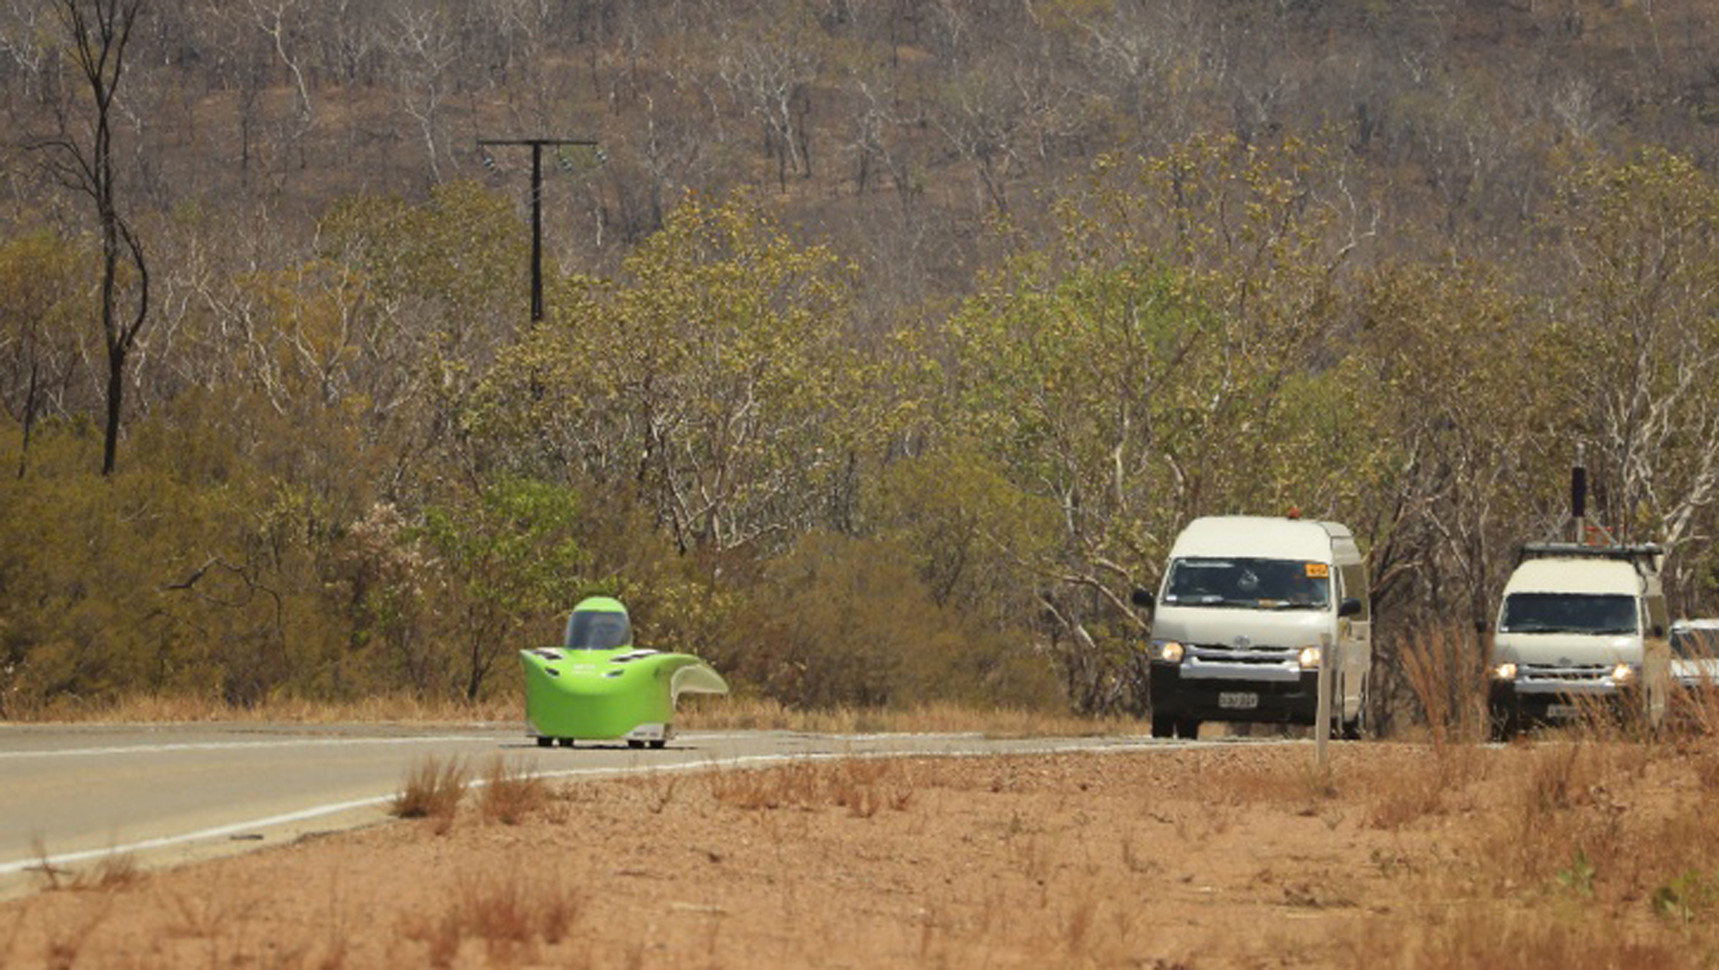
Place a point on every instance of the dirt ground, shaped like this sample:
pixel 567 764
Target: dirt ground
pixel 1559 853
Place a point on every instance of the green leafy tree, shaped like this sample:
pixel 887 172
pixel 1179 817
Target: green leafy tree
pixel 845 621
pixel 505 559
pixel 1166 362
pixel 1636 338
pixel 41 296
pixel 715 380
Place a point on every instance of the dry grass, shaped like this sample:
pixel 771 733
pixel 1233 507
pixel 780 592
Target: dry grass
pixel 509 912
pixel 726 713
pixel 696 713
pixel 1565 850
pixel 1560 851
pixel 432 790
pixel 190 709
pixel 1480 935
pixel 1446 674
pixel 861 786
pixel 116 870
pixel 509 794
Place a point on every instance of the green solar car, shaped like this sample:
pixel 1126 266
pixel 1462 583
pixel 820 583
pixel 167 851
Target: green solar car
pixel 597 686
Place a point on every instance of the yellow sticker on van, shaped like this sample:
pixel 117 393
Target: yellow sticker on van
pixel 1318 570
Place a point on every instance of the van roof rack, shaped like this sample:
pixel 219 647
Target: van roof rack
pixel 1649 552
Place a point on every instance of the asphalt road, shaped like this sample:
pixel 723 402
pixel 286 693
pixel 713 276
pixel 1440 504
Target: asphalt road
pixel 164 795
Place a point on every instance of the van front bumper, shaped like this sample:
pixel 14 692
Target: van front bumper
pixel 1282 699
pixel 1544 702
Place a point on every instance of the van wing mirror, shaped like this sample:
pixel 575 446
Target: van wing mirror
pixel 1141 597
pixel 1350 606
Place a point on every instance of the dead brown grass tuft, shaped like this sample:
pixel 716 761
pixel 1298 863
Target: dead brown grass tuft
pixel 793 785
pixel 764 714
pixel 112 872
pixel 862 786
pixel 500 908
pixel 510 794
pixel 65 942
pixel 432 790
pixel 1400 797
pixel 1448 679
pixel 1506 935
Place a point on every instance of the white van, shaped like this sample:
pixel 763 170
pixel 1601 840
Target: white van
pixel 1239 620
pixel 1579 621
pixel 1695 653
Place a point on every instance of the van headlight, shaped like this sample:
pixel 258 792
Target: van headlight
pixel 1309 657
pixel 1167 651
pixel 1504 671
pixel 1623 674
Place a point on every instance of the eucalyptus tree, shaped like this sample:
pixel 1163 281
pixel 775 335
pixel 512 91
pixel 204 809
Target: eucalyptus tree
pixel 714 379
pixel 98 32
pixel 1173 358
pixel 40 300
pixel 1637 344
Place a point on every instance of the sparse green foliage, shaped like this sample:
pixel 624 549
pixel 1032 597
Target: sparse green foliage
pixel 1688 896
pixel 1578 876
pixel 374 480
pixel 1172 359
pixel 503 558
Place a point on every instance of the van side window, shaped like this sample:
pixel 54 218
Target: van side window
pixel 1354 577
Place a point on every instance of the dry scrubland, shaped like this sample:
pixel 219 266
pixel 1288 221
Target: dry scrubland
pixel 1568 852
pixel 695 713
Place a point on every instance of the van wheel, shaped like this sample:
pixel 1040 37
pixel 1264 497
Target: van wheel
pixel 1189 729
pixel 1163 727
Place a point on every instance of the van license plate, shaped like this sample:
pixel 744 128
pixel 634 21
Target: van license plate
pixel 1238 700
pixel 1562 710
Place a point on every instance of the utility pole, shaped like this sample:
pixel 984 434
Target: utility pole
pixel 537 204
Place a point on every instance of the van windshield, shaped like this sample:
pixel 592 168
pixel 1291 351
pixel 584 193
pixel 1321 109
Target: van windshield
pixel 1255 584
pixel 1592 613
pixel 1695 643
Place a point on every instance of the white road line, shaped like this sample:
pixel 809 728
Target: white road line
pixel 318 811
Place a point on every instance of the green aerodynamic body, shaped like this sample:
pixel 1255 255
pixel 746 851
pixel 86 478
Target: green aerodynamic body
pixel 597 686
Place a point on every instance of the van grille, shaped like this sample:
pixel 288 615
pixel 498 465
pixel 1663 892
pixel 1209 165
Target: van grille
pixel 1573 672
pixel 1246 655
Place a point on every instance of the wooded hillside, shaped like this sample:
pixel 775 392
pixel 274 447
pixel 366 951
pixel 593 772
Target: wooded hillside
pixel 887 347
